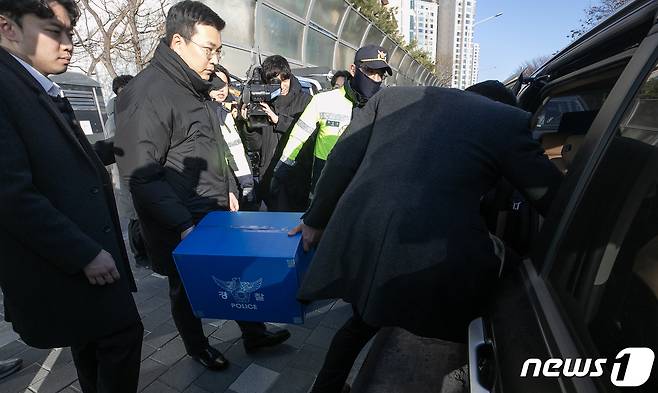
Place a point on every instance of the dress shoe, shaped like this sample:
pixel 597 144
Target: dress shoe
pixel 9 367
pixel 212 359
pixel 267 339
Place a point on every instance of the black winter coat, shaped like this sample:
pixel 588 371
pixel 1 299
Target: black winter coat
pixel 270 141
pixel 57 212
pixel 171 152
pixel 400 199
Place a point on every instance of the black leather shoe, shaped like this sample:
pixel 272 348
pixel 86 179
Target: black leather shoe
pixel 212 359
pixel 267 339
pixel 9 367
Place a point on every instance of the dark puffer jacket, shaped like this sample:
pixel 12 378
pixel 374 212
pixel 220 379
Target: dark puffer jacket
pixel 170 150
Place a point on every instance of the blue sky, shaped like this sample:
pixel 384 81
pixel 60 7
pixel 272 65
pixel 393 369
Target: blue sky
pixel 527 29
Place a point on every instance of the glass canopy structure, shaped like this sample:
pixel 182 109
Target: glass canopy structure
pixel 309 33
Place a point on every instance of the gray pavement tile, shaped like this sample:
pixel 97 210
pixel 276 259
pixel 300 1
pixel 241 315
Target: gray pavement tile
pixel 292 380
pixel 141 295
pixel 195 389
pixel 321 337
pixel 56 380
pixel 216 322
pixel 152 304
pixel 313 319
pixel 33 355
pixel 8 336
pixel 147 351
pixel 13 348
pixel 182 374
pixel 171 353
pixel 58 357
pixel 298 334
pixel 68 390
pixel 338 315
pixel 158 387
pixel 229 332
pixel 149 372
pixel 218 381
pixel 310 358
pixel 161 335
pixel 274 358
pixel 255 379
pixel 156 318
pixel 22 379
pixel 209 329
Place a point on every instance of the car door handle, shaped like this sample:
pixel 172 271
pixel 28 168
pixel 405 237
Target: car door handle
pixel 476 343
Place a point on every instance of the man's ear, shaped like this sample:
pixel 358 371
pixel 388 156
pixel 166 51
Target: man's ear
pixel 176 43
pixel 352 70
pixel 9 29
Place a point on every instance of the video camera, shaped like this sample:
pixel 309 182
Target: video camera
pixel 255 91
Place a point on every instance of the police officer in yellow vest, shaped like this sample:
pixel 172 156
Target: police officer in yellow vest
pixel 331 111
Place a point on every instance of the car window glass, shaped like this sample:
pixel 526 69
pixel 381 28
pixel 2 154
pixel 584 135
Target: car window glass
pixel 606 272
pixel 550 116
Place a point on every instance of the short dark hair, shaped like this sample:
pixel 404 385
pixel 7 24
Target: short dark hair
pixel 16 9
pixel 338 74
pixel 276 65
pixel 494 90
pixel 120 82
pixel 184 16
pixel 223 70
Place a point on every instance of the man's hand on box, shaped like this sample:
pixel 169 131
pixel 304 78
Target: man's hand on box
pixel 234 205
pixel 310 236
pixel 102 269
pixel 186 232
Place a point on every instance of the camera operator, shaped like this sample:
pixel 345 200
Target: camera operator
pixel 268 141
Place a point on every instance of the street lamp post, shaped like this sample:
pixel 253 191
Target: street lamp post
pixel 488 19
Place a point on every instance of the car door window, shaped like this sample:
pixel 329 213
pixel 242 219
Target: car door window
pixel 606 271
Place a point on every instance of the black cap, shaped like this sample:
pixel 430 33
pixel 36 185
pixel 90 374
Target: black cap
pixel 216 83
pixel 374 57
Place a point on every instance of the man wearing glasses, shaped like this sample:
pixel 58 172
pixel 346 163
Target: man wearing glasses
pixel 170 150
pixel 332 112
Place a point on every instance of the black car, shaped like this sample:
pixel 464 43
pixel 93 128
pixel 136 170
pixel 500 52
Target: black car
pixel 580 312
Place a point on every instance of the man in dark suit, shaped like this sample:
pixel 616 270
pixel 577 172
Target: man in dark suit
pixel 63 265
pixel 398 210
pixel 171 153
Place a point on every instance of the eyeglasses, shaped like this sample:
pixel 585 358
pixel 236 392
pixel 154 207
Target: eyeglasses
pixel 210 52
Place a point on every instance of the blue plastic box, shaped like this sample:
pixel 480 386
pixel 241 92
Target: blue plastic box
pixel 244 266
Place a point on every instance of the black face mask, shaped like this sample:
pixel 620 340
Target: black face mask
pixel 365 86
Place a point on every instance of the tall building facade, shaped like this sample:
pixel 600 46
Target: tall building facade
pixel 427 26
pixel 444 28
pixel 418 20
pixel 455 42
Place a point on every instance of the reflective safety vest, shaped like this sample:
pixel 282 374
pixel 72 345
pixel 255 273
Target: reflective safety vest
pixel 238 160
pixel 331 111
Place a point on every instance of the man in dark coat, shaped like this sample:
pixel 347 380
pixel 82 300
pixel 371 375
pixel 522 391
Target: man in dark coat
pixel 269 141
pixel 171 153
pixel 64 269
pixel 398 201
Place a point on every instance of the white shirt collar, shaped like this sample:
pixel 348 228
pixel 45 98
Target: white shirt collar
pixel 51 88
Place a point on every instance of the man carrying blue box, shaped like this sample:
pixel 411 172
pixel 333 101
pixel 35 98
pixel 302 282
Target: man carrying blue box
pixel 170 149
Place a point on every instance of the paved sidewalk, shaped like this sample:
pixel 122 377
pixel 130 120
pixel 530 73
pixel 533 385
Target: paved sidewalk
pixel 288 368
